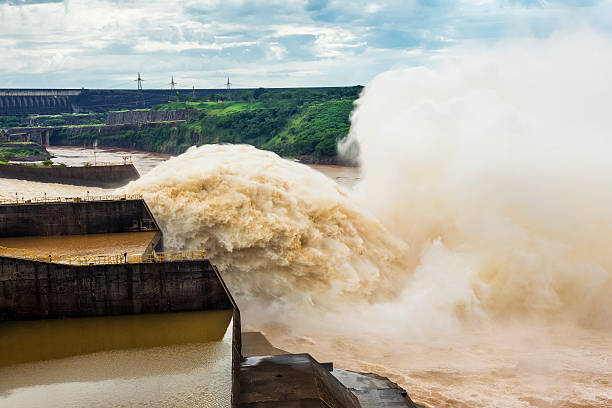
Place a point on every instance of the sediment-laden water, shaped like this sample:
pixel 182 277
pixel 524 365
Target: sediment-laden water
pixel 311 267
pixel 132 243
pixel 155 360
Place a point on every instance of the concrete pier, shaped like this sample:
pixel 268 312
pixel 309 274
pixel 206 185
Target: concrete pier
pixel 291 380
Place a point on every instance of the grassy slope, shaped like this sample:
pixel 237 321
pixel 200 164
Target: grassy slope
pixel 22 151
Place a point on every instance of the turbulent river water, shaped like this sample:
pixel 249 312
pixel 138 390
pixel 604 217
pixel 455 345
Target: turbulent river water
pixel 315 271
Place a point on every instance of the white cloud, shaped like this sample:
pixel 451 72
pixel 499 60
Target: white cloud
pixel 283 42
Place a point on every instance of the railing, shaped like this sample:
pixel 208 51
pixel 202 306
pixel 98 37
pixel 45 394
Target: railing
pixel 45 199
pixel 102 259
pixel 175 256
pixel 97 163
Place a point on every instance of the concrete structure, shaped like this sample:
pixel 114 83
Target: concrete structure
pixel 372 390
pixel 291 380
pixel 146 116
pixel 38 135
pixel 75 216
pixel 42 290
pixel 35 290
pixel 97 176
pixel 375 391
pixel 55 101
pixel 73 135
pixel 45 101
pixel 31 289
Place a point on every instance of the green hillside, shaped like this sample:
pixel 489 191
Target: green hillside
pixel 295 122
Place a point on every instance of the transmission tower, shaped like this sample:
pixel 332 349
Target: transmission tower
pixel 228 84
pixel 139 97
pixel 173 92
pixel 139 80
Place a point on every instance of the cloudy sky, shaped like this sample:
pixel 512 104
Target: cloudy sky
pixel 104 43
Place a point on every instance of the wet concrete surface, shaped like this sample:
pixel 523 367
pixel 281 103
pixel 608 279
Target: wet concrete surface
pixel 372 390
pixel 291 380
pixel 375 391
pixel 256 344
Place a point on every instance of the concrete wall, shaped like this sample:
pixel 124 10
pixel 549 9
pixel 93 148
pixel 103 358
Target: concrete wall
pixel 99 176
pixel 74 218
pixel 34 290
pixel 146 116
pixel 40 290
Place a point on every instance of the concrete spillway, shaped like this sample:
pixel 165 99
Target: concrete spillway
pixel 163 332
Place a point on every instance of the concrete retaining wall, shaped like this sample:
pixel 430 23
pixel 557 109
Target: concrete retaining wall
pixel 74 218
pixel 98 176
pixel 146 116
pixel 34 290
pixel 40 290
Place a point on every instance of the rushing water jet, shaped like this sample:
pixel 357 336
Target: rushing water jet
pixel 281 232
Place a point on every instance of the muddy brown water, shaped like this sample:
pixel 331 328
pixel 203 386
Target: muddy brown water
pixel 134 243
pixel 158 360
pixel 542 368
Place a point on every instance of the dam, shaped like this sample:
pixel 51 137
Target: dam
pixel 57 101
pixel 153 328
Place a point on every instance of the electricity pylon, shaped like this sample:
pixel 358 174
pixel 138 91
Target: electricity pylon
pixel 173 91
pixel 228 84
pixel 139 97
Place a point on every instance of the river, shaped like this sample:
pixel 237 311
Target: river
pixel 317 274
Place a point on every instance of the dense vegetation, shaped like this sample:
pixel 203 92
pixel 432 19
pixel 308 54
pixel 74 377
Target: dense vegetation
pixel 294 122
pixel 22 152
